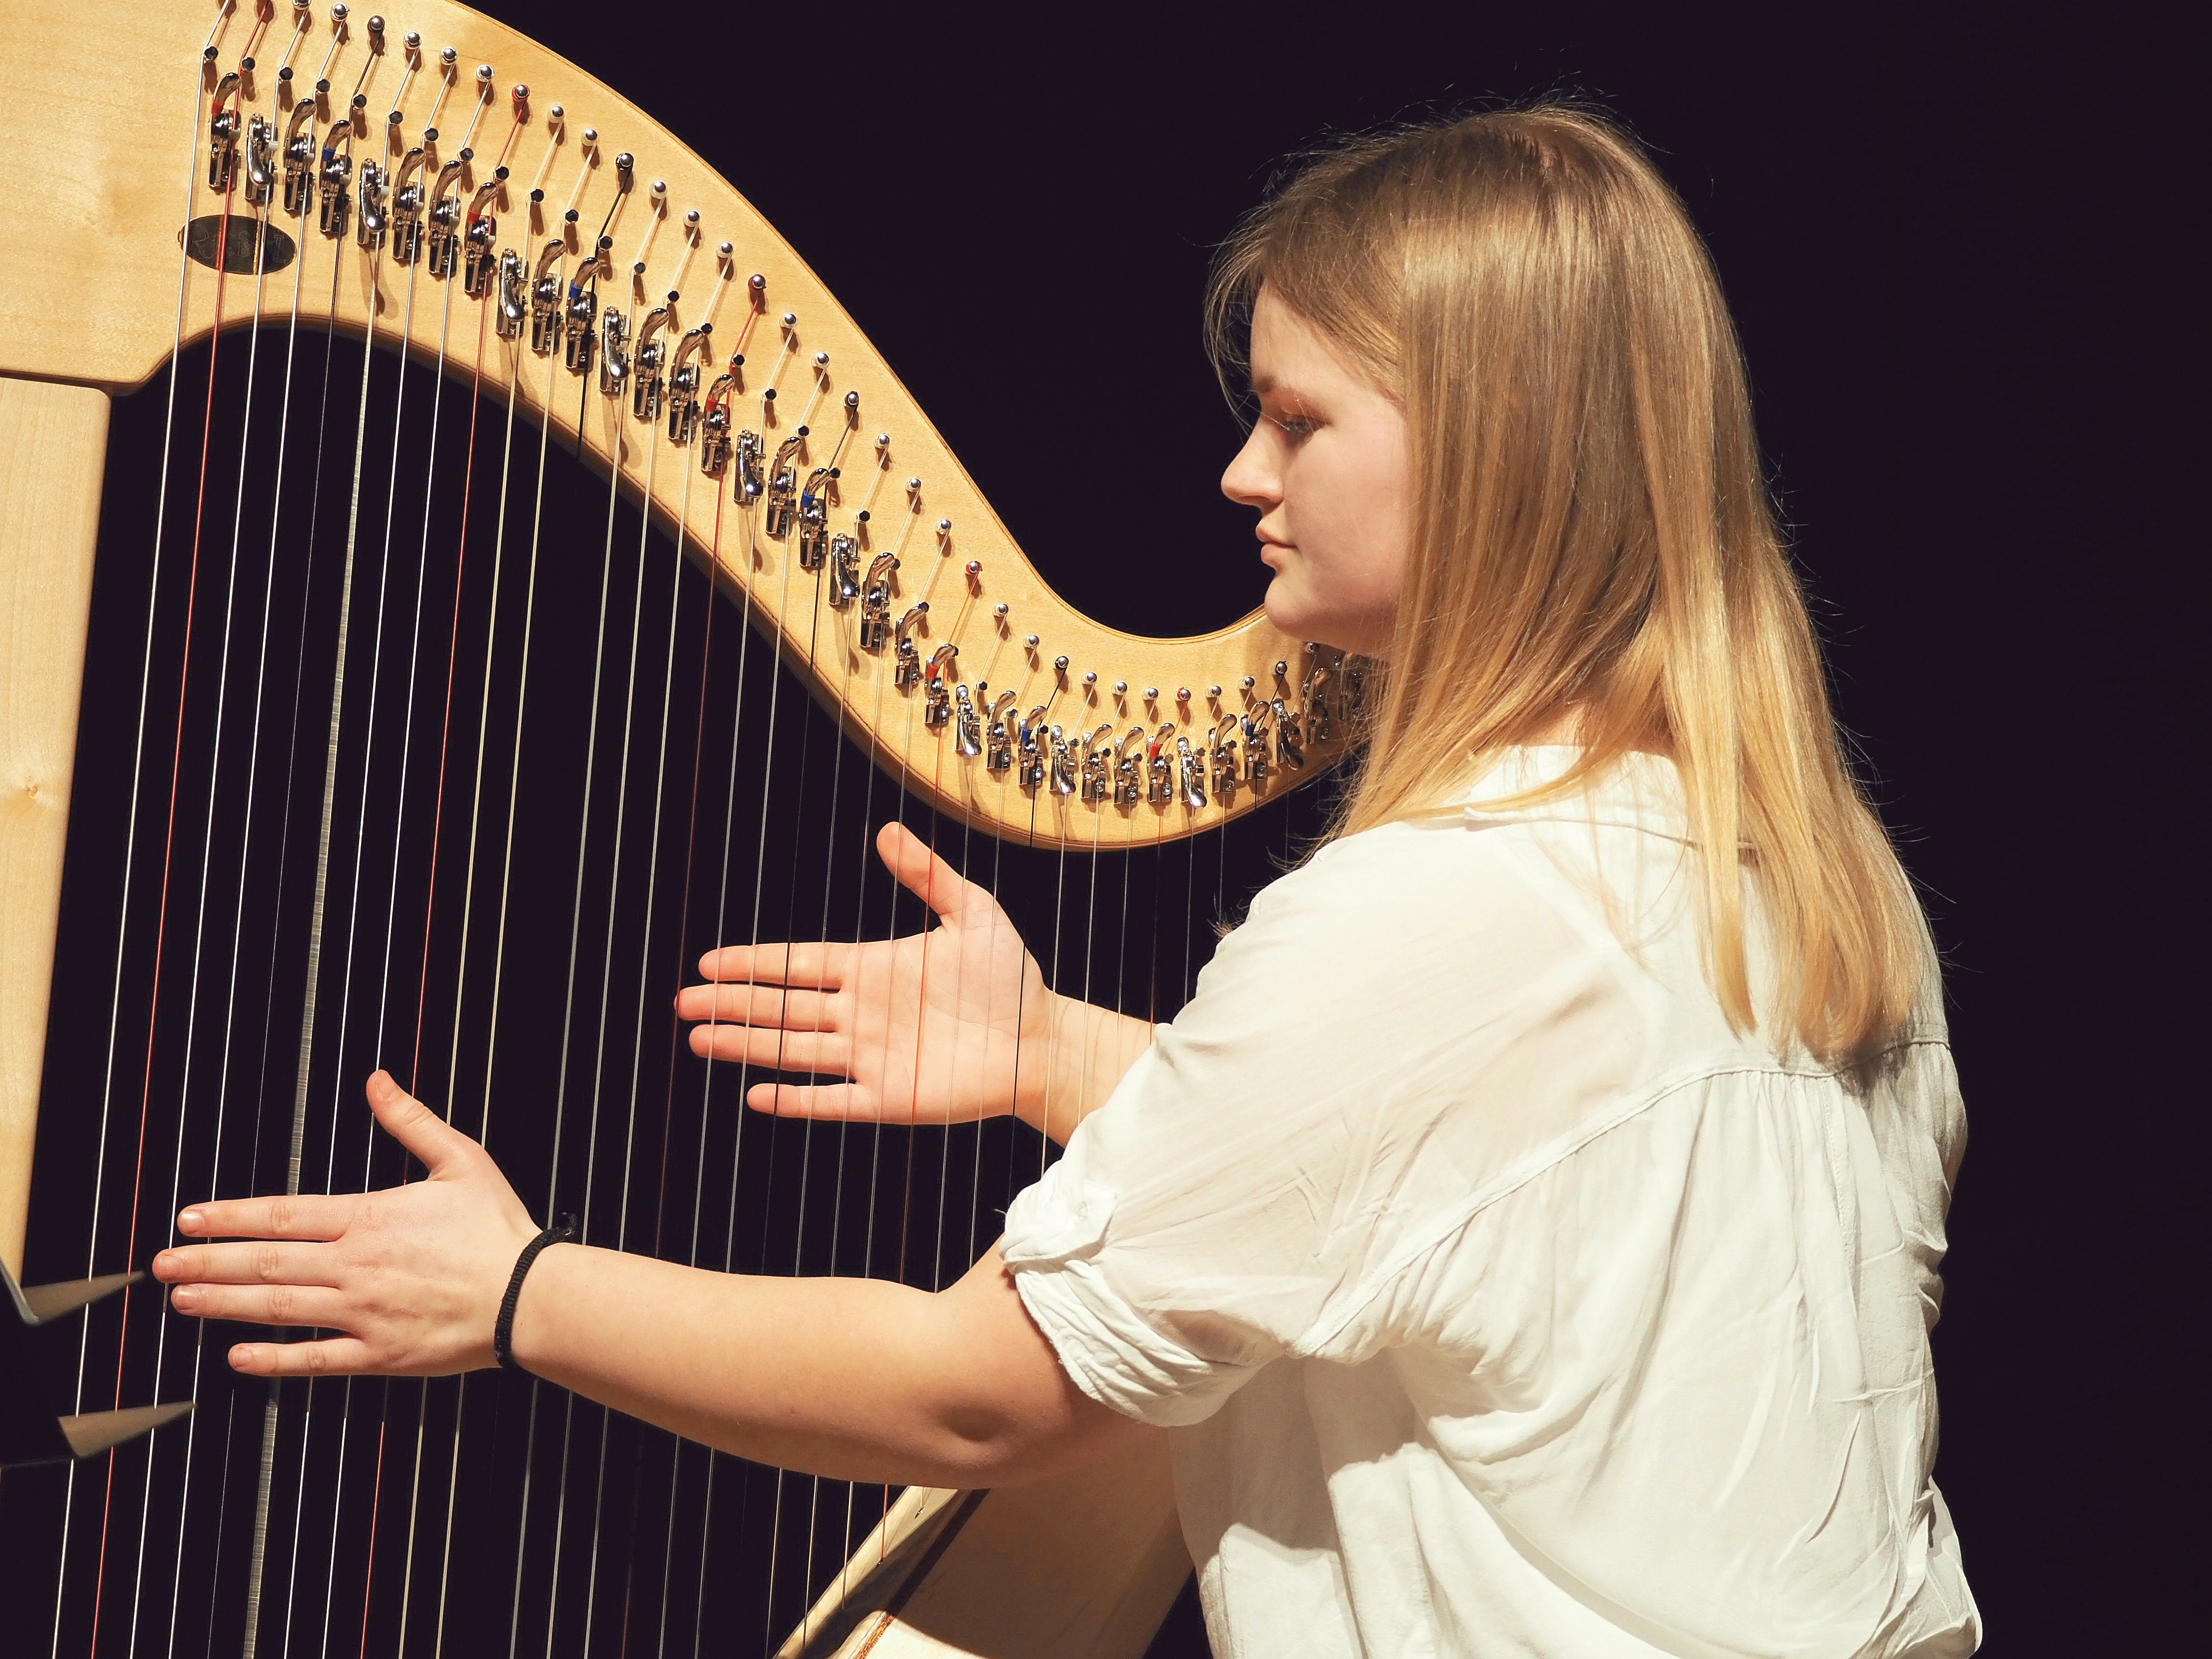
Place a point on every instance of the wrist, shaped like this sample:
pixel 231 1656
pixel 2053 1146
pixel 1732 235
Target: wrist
pixel 512 1337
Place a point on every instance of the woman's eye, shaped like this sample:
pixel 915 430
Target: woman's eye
pixel 1295 427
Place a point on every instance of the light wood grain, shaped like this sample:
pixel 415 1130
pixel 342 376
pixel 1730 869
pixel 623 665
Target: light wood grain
pixel 1081 1566
pixel 107 94
pixel 53 440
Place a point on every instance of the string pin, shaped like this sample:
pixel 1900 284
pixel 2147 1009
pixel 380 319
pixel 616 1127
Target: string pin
pixel 1249 681
pixel 974 567
pixel 1152 694
pixel 1059 665
pixel 1000 610
pixel 1213 690
pixel 1121 688
pixel 1031 642
pixel 1090 676
pixel 1183 693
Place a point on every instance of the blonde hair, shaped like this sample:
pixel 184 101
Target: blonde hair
pixel 1592 538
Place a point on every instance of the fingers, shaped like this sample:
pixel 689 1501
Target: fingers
pixel 819 965
pixel 831 1103
pixel 306 1216
pixel 261 1263
pixel 266 1304
pixel 924 874
pixel 337 1356
pixel 747 1005
pixel 780 1051
pixel 436 1144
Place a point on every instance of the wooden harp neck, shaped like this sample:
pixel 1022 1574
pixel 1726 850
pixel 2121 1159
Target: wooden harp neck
pixel 587 249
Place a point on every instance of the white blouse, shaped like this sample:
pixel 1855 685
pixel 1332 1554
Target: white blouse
pixel 1501 1299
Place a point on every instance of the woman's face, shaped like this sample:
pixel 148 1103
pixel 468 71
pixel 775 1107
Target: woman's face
pixel 1328 467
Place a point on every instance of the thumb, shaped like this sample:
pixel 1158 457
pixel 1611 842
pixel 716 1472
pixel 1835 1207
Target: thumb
pixel 436 1144
pixel 926 876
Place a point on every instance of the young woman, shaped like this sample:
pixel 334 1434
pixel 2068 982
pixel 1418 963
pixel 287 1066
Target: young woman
pixel 1528 1234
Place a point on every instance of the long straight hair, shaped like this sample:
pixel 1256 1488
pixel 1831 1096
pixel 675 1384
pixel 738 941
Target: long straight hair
pixel 1593 540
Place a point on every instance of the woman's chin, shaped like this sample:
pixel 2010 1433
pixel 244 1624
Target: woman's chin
pixel 1283 609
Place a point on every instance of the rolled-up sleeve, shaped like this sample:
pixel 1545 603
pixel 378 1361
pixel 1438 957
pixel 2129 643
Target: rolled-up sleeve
pixel 1307 1126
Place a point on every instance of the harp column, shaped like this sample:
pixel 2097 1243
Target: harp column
pixel 53 447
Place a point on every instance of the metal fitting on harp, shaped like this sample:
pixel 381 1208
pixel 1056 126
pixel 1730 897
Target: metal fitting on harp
pixel 844 570
pixel 298 160
pixel 479 228
pixel 337 166
pixel 967 724
pixel 644 371
pixel 406 206
pixel 907 671
pixel 580 323
pixel 545 298
pixel 750 483
pixel 375 214
pixel 814 517
pixel 260 160
pixel 783 489
pixel 1193 772
pixel 936 686
pixel 222 133
pixel 1096 769
pixel 1128 768
pixel 1221 758
pixel 514 302
pixel 1290 740
pixel 1161 767
pixel 1000 736
pixel 444 214
pixel 614 357
pixel 875 602
pixel 684 385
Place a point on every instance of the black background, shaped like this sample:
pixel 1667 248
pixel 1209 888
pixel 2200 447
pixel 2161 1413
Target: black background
pixel 1947 237
pixel 1951 236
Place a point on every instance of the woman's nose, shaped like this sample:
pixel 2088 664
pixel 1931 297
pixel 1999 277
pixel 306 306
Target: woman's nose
pixel 1250 479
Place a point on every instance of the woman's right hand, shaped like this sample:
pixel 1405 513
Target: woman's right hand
pixel 943 1026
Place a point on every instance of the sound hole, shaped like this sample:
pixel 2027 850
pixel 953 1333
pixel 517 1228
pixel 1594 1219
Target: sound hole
pixel 532 1002
pixel 235 235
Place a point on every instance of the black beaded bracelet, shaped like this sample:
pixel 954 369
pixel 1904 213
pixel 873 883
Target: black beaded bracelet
pixel 502 1333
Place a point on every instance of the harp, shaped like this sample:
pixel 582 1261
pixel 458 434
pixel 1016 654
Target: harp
pixel 438 191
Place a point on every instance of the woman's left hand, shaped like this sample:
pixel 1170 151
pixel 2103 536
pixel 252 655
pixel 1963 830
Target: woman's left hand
pixel 412 1276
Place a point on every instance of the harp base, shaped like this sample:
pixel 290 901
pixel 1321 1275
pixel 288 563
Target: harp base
pixel 1082 1566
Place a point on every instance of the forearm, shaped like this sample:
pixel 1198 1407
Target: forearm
pixel 855 1378
pixel 1091 1049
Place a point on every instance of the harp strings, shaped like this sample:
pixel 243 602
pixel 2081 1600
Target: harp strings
pixel 358 953
pixel 161 906
pixel 199 920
